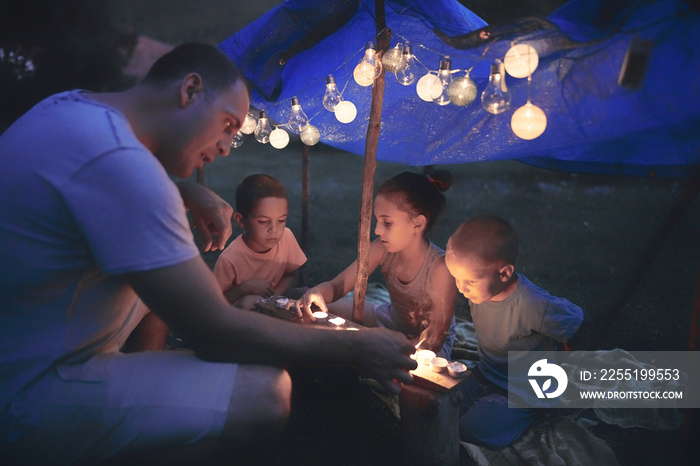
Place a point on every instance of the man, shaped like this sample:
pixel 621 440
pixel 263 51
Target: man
pixel 93 233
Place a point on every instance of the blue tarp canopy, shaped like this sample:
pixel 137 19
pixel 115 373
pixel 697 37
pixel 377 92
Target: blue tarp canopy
pixel 594 124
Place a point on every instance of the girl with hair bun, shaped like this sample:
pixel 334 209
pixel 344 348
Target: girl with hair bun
pixel 421 289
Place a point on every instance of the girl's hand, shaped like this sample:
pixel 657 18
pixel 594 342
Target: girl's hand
pixel 304 304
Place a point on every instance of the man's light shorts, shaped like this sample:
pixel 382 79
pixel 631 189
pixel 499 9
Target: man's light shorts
pixel 117 403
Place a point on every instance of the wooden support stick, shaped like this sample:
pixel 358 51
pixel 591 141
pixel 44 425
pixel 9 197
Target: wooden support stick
pixel 305 197
pixel 370 165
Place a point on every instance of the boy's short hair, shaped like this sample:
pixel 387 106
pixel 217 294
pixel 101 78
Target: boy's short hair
pixel 217 70
pixel 488 238
pixel 256 187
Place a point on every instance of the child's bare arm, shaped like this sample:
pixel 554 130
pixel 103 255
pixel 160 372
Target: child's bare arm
pixel 333 290
pixel 287 282
pixel 443 293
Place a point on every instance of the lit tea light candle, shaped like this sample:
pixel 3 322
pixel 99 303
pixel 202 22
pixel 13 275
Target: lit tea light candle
pixel 320 316
pixel 424 357
pixel 337 321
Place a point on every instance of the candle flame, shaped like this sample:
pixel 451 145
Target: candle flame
pixel 419 343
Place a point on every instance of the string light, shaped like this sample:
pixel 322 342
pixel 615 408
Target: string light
pixel 408 70
pixel 429 87
pixel 521 60
pixel 263 128
pixel 332 97
pixel 279 138
pixel 297 117
pixel 345 111
pixel 496 98
pixel 249 124
pixel 445 77
pixel 462 91
pixel 369 67
pixel 392 59
pixel 237 140
pixel 310 135
pixel 529 121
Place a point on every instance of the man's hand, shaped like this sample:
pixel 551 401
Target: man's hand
pixel 210 213
pixel 385 357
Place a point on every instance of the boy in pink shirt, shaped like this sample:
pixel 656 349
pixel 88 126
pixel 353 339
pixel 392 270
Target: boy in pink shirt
pixel 264 260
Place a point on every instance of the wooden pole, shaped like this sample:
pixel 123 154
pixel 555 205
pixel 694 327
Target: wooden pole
pixel 305 190
pixel 369 167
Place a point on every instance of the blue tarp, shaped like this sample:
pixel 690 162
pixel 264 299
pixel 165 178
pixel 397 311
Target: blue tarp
pixel 593 124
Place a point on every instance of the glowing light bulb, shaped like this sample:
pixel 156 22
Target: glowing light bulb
pixel 392 59
pixel 263 128
pixel 345 111
pixel 521 60
pixel 297 117
pixel 528 122
pixel 429 87
pixel 279 138
pixel 496 98
pixel 462 91
pixel 445 77
pixel 408 71
pixel 249 124
pixel 369 67
pixel 332 96
pixel 237 140
pixel 310 135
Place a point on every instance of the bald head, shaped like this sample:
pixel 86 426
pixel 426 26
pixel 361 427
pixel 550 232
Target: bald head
pixel 485 238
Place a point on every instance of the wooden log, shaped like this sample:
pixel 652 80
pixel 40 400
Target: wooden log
pixel 429 426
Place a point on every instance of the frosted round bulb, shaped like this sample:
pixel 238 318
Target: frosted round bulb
pixel 462 91
pixel 521 60
pixel 429 87
pixel 249 124
pixel 345 111
pixel 237 140
pixel 279 138
pixel 364 74
pixel 392 59
pixel 528 122
pixel 310 135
